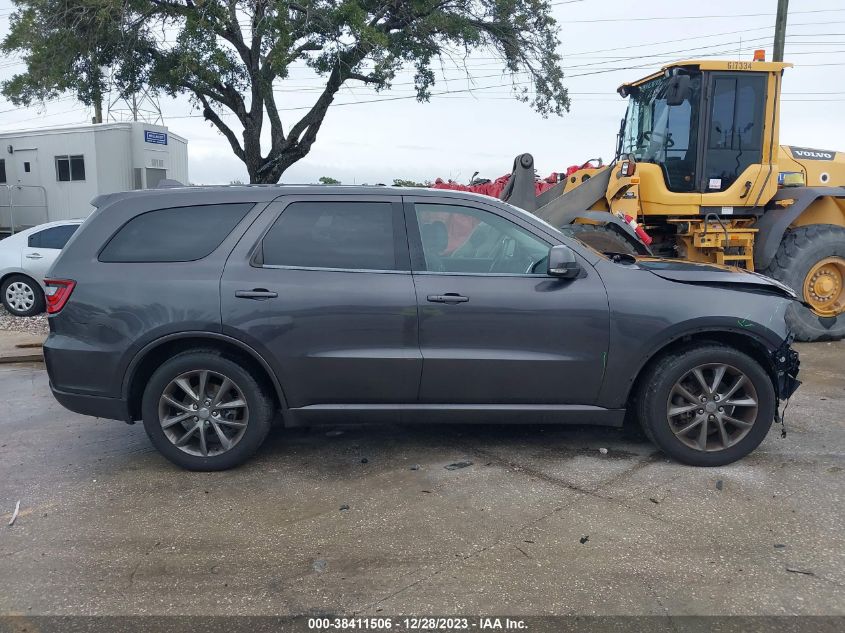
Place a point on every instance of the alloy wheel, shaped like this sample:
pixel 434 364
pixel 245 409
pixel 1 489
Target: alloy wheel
pixel 203 413
pixel 20 296
pixel 712 407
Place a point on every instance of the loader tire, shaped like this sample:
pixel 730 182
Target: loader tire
pixel 601 237
pixel 801 250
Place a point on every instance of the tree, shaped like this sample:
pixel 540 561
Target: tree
pixel 328 180
pixel 230 55
pixel 66 45
pixel 401 182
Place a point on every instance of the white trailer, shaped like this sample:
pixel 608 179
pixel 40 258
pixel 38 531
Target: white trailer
pixel 54 173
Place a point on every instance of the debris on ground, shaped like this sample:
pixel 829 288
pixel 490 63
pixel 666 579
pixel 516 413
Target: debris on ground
pixel 428 492
pixel 15 513
pixel 805 572
pixel 779 546
pixel 364 460
pixel 334 433
pixel 653 500
pixel 584 539
pixel 415 467
pixel 458 465
pixel 603 451
pixel 30 325
pixel 719 484
pixel 344 507
pixel 319 566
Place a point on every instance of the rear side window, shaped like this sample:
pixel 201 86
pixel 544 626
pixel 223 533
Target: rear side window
pixel 54 237
pixel 349 235
pixel 179 234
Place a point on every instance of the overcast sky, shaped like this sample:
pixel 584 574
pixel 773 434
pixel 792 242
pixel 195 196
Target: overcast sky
pixel 604 43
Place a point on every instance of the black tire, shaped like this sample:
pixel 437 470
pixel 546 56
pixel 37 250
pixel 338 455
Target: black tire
pixel 652 401
pixel 800 250
pixel 259 405
pixel 601 238
pixel 37 306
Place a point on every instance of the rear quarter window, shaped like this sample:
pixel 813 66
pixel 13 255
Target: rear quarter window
pixel 54 237
pixel 178 234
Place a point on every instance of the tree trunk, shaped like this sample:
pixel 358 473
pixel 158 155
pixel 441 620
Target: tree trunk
pixel 98 110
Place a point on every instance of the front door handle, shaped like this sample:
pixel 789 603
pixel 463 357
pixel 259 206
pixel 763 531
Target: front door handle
pixel 35 256
pixel 449 297
pixel 256 293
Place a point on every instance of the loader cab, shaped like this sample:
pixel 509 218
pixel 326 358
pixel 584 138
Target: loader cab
pixel 704 124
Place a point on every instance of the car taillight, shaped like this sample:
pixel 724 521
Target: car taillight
pixel 58 292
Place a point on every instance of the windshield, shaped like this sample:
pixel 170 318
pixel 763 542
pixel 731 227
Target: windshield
pixel 655 132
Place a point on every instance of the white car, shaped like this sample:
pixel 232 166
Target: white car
pixel 25 258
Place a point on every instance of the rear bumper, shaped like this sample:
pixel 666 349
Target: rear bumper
pixel 97 406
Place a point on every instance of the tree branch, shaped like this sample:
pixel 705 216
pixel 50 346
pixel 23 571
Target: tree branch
pixel 212 116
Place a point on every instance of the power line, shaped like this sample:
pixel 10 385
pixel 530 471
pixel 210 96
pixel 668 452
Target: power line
pixel 696 17
pixel 686 39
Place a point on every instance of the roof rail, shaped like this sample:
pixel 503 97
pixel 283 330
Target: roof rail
pixel 166 183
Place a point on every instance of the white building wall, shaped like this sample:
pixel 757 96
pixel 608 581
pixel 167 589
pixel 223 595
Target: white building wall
pixel 114 167
pixel 118 157
pixel 33 188
pixel 179 160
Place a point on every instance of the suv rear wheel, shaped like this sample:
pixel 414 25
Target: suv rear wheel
pixel 205 412
pixel 707 405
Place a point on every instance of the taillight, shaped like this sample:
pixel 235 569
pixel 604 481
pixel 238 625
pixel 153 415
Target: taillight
pixel 58 292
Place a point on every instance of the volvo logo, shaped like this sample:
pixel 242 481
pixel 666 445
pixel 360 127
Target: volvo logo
pixel 811 154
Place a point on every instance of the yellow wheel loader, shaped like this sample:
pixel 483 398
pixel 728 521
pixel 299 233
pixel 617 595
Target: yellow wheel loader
pixel 699 174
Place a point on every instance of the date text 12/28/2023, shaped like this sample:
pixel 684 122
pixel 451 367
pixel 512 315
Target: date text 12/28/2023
pixel 417 624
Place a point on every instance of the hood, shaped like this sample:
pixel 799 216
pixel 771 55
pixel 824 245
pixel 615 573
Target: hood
pixel 713 275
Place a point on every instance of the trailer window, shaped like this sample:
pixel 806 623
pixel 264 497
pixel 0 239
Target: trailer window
pixel 70 168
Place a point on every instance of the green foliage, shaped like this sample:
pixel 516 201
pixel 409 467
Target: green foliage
pixel 328 180
pixel 229 54
pixel 66 45
pixel 400 182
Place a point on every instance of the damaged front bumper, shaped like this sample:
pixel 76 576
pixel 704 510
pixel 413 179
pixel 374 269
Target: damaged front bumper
pixel 786 364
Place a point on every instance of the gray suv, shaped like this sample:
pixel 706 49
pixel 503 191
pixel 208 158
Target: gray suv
pixel 205 312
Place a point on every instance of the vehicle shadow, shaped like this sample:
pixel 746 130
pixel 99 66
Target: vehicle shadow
pixel 338 448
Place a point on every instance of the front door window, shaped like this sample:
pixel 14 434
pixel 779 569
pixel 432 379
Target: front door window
pixel 459 239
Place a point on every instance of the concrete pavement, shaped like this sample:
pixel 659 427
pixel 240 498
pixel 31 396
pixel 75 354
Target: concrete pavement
pixel 20 347
pixel 541 522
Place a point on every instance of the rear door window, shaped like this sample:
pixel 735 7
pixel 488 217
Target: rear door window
pixel 178 234
pixel 340 235
pixel 54 237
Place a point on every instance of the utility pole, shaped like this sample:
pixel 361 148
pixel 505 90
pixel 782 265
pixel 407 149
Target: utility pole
pixel 780 30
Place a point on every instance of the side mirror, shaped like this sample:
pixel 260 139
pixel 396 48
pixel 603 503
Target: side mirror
pixel 677 90
pixel 562 263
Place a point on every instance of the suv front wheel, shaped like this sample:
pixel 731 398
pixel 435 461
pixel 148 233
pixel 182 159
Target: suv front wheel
pixel 706 405
pixel 205 412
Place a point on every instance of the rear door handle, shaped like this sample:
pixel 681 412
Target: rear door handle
pixel 35 256
pixel 449 297
pixel 256 293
